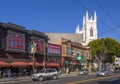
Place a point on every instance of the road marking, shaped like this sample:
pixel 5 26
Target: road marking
pixel 93 79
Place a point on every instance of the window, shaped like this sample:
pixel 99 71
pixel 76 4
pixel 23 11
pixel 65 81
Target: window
pixel 77 54
pixel 82 53
pixel 10 42
pixel 40 46
pixel 63 50
pixel 49 49
pixel 91 32
pixel 16 42
pixel 68 50
pixel 53 49
pixel 72 52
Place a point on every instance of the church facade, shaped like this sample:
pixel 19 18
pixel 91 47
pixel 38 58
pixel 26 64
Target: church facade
pixel 89 29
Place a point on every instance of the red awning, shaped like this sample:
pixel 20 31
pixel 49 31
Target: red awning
pixel 53 64
pixel 4 64
pixel 36 63
pixel 22 64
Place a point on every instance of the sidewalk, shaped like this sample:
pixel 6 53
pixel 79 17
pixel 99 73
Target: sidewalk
pixel 28 78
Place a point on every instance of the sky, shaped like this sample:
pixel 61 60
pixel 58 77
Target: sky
pixel 62 16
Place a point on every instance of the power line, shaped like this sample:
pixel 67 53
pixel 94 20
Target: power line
pixel 100 19
pixel 109 16
pixel 106 12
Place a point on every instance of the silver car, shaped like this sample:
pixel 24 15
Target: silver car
pixel 44 74
pixel 103 72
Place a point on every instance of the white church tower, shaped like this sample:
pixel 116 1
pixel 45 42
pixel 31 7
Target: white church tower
pixel 89 29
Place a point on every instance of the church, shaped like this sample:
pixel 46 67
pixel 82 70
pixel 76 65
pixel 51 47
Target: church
pixel 83 36
pixel 76 55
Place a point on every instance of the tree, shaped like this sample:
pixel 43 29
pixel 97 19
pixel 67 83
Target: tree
pixel 113 48
pixel 99 50
pixel 104 49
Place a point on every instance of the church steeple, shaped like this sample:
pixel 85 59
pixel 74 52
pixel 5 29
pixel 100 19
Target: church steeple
pixel 77 29
pixel 89 28
pixel 83 20
pixel 95 16
pixel 87 17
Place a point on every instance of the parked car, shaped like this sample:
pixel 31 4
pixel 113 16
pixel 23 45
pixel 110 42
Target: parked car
pixel 103 72
pixel 45 74
pixel 117 70
pixel 83 71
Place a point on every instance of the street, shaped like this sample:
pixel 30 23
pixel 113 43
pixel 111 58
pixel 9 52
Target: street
pixel 78 79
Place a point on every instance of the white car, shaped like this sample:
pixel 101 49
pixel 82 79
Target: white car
pixel 103 72
pixel 44 74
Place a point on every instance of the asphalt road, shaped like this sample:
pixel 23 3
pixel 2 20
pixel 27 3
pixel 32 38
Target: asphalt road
pixel 81 79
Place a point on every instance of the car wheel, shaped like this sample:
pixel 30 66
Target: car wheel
pixel 41 78
pixel 55 77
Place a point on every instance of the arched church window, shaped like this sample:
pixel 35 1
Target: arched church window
pixel 91 32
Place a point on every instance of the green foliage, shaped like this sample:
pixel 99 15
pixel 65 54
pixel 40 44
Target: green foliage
pixel 113 59
pixel 109 45
pixel 97 46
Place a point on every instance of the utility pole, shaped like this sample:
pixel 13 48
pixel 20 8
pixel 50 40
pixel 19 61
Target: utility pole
pixel 33 51
pixel 44 61
pixel 33 62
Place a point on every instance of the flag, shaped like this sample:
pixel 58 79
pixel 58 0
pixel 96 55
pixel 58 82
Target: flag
pixel 33 48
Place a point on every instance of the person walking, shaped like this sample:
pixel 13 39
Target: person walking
pixel 9 74
pixel 67 70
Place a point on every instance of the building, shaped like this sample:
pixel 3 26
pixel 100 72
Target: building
pixel 53 56
pixel 89 28
pixel 16 49
pixel 75 56
pixel 117 61
pixel 83 36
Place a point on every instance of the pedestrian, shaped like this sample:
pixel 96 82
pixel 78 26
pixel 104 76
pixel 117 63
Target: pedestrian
pixel 67 70
pixel 9 74
pixel 0 73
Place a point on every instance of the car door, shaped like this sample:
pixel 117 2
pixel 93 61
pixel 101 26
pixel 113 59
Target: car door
pixel 46 75
pixel 51 73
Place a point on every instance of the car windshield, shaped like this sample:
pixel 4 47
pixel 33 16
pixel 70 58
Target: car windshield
pixel 42 71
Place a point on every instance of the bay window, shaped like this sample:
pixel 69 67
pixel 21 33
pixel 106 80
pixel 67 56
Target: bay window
pixel 15 42
pixel 53 49
pixel 40 46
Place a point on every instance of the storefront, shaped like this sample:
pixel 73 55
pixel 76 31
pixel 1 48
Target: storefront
pixel 54 56
pixel 15 49
pixel 75 56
